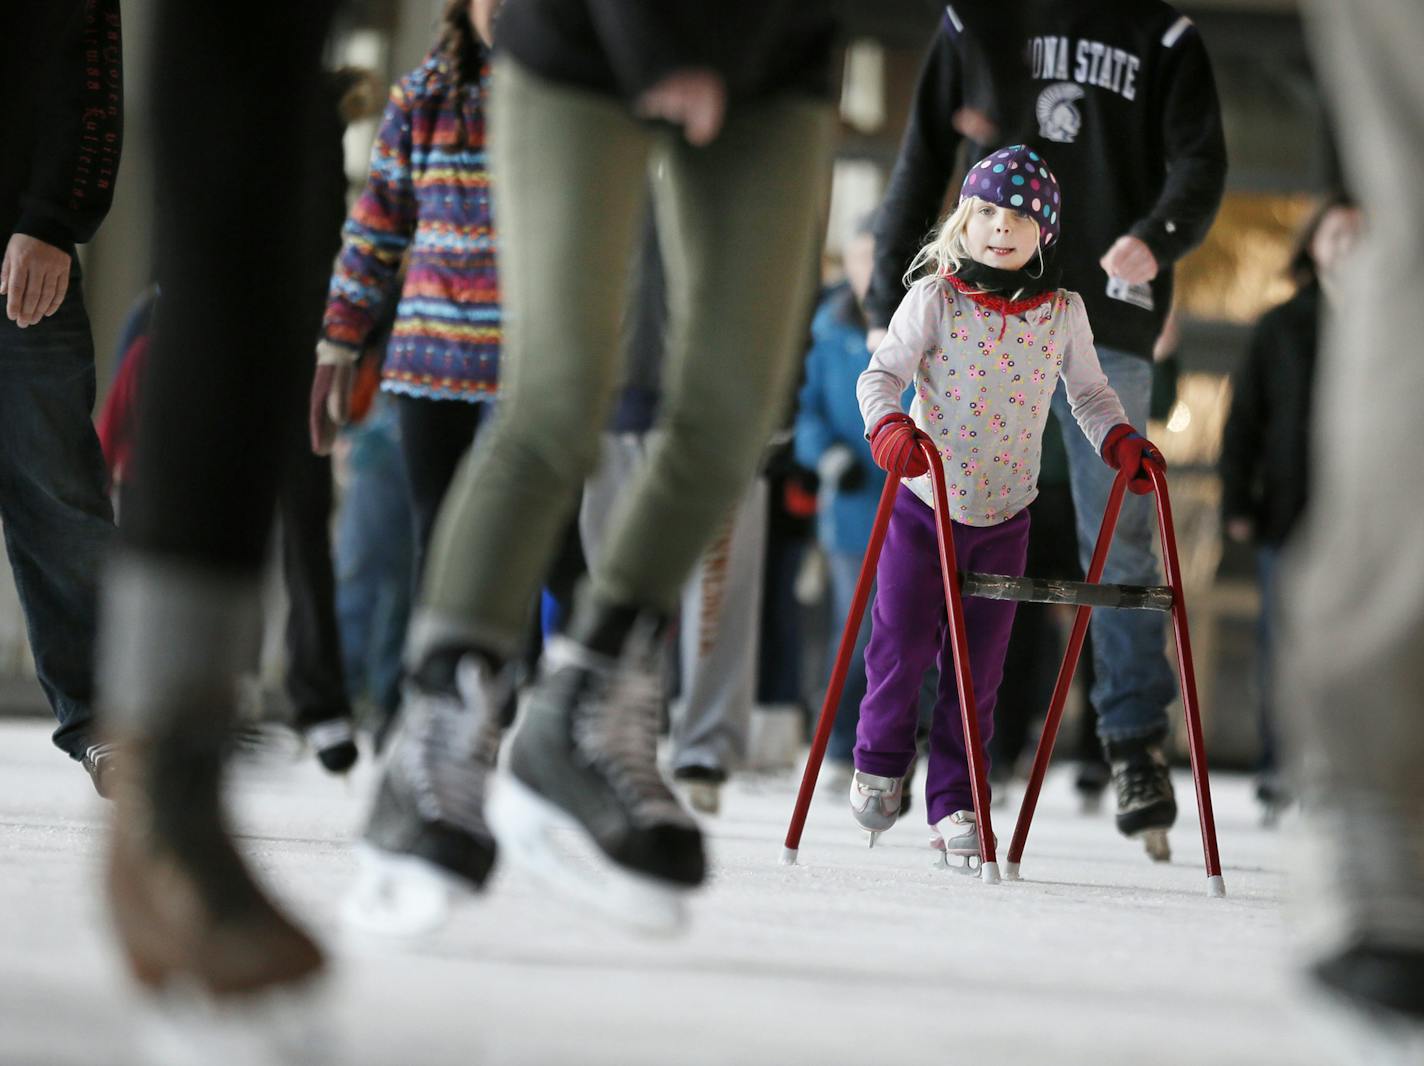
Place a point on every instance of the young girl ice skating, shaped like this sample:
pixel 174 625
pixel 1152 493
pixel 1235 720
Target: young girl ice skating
pixel 985 336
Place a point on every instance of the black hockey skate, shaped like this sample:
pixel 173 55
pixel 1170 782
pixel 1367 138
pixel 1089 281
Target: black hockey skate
pixel 334 742
pixel 426 839
pixel 1146 804
pixel 585 759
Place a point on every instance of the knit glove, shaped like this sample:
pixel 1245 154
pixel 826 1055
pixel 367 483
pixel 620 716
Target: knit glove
pixel 1126 449
pixel 839 469
pixel 895 445
pixel 330 405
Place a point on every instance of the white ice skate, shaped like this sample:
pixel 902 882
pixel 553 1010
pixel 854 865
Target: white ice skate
pixel 955 840
pixel 875 802
pixel 290 1027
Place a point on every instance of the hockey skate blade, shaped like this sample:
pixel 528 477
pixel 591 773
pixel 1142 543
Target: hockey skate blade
pixel 1156 844
pixel 874 836
pixel 398 896
pixel 526 825
pixel 704 797
pixel 184 1024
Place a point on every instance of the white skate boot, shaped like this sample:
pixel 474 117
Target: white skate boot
pixel 955 840
pixel 875 802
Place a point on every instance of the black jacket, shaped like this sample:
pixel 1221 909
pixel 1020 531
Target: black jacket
pixel 622 47
pixel 61 117
pixel 1119 98
pixel 1265 447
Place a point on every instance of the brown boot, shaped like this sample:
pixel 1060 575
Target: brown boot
pixel 183 903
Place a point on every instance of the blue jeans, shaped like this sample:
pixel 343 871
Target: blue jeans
pixel 1134 684
pixel 375 559
pixel 56 514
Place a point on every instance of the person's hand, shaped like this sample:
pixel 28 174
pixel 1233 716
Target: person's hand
pixel 1130 259
pixel 330 404
pixel 1126 449
pixel 482 17
pixel 1240 529
pixel 839 470
pixel 875 337
pixel 695 99
pixel 896 445
pixel 975 124
pixel 34 277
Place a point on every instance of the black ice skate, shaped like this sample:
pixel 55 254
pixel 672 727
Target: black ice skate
pixel 584 758
pixel 426 839
pixel 1146 804
pixel 334 742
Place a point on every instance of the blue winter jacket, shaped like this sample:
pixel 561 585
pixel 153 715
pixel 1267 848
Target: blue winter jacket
pixel 828 413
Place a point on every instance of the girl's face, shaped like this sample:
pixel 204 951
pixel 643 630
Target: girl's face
pixel 1000 236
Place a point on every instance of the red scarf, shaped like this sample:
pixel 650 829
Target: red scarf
pixel 1002 304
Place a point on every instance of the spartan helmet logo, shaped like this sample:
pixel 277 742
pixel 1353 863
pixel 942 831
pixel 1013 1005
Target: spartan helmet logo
pixel 1058 119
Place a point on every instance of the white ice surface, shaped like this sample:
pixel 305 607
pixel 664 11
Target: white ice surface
pixel 853 956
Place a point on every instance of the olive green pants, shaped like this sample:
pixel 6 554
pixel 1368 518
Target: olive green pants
pixel 740 223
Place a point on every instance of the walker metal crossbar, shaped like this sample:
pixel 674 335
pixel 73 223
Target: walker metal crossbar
pixel 1085 595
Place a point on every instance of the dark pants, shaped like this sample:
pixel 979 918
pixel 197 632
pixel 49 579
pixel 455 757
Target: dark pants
pixel 435 435
pixel 909 632
pixel 234 239
pixel 52 502
pixel 315 678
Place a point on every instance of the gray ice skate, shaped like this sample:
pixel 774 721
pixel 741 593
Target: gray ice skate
pixel 581 804
pixel 426 839
pixel 955 840
pixel 875 802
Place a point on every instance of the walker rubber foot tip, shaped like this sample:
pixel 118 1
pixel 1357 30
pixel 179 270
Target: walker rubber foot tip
pixel 1011 871
pixel 1216 887
pixel 989 871
pixel 788 856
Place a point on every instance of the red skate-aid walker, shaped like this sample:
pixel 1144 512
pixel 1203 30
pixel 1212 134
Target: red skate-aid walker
pixel 1085 595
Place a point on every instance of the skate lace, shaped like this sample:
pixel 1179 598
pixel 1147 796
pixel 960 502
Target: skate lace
pixel 453 746
pixel 1140 782
pixel 616 731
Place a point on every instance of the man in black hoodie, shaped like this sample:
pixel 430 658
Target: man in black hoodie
pixel 1119 96
pixel 60 134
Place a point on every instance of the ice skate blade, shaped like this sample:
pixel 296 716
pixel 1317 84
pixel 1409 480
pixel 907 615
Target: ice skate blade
pixel 873 835
pixel 704 797
pixel 525 825
pixel 1216 887
pixel 183 1024
pixel 1156 844
pixel 399 895
pixel 964 865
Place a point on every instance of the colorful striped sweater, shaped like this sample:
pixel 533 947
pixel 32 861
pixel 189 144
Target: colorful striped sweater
pixel 428 194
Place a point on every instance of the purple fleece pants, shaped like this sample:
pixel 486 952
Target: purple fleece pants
pixel 910 631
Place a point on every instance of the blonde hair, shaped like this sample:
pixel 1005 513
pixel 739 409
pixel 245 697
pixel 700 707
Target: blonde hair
pixel 947 250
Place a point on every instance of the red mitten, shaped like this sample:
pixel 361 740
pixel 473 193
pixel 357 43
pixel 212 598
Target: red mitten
pixel 895 444
pixel 1126 449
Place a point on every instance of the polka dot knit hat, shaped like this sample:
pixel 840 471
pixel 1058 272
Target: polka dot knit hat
pixel 1017 177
